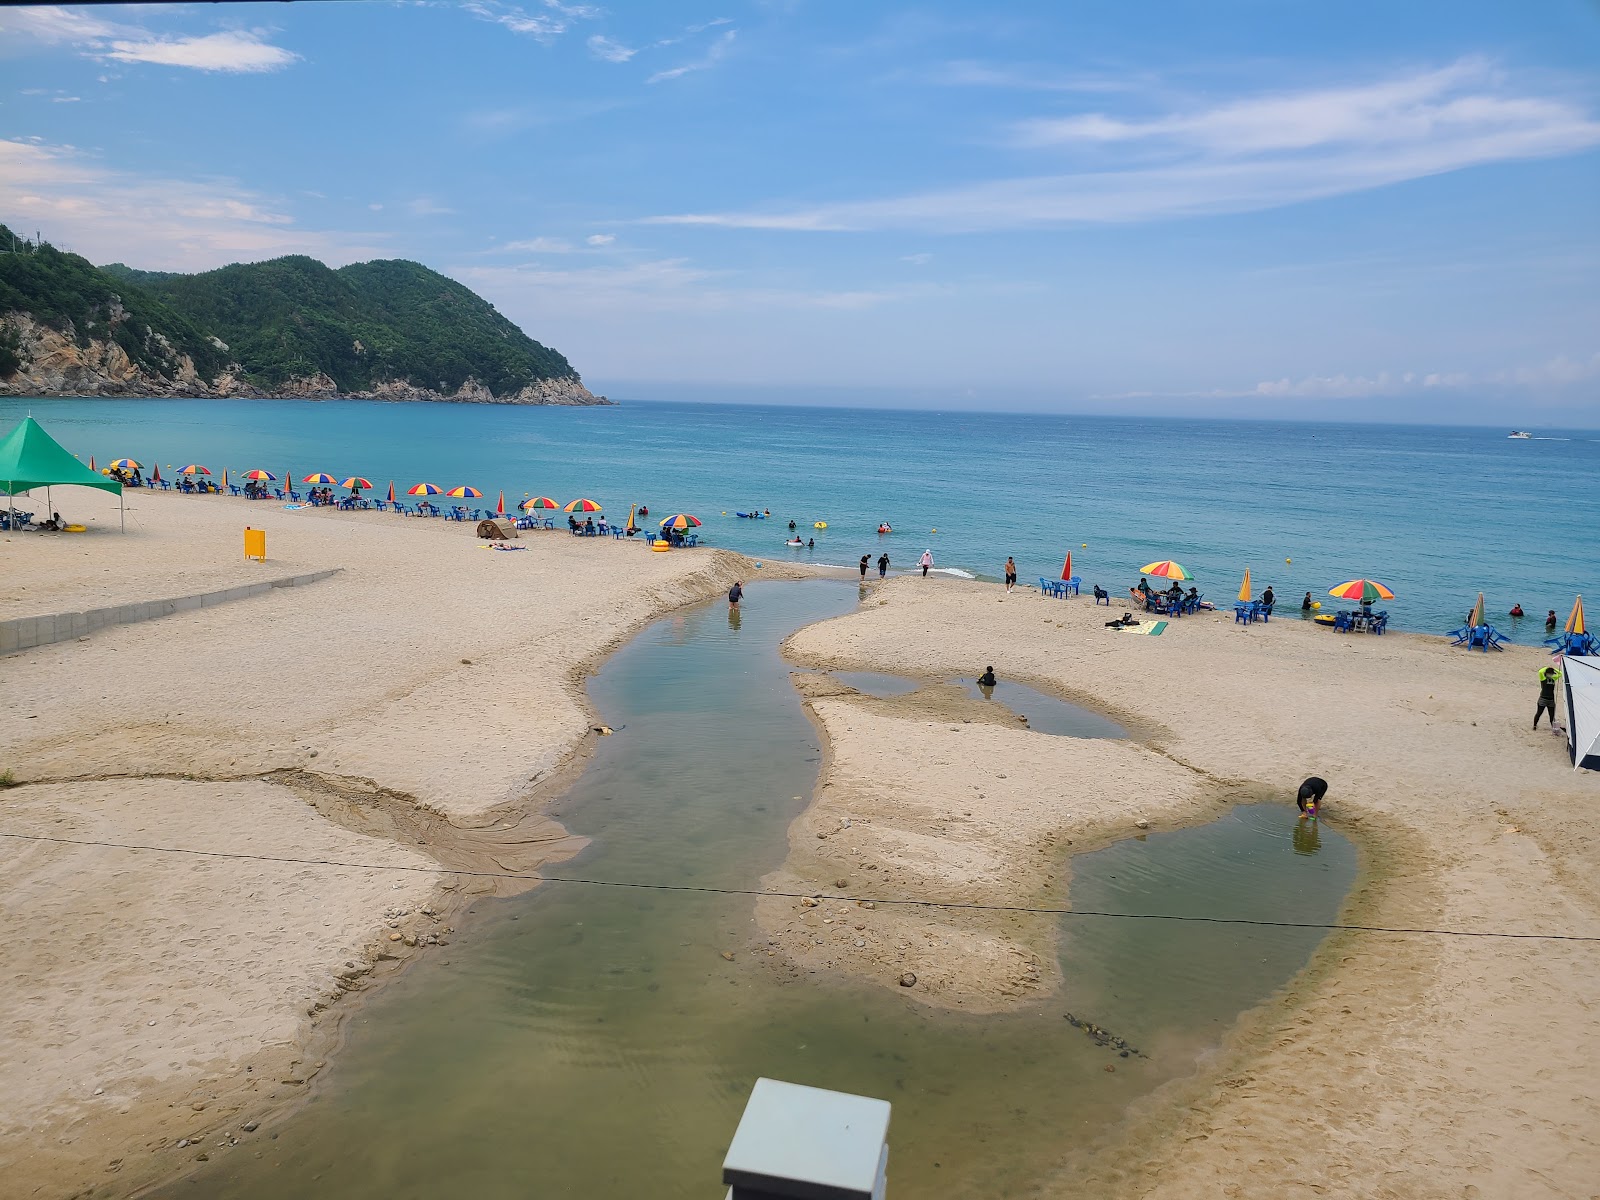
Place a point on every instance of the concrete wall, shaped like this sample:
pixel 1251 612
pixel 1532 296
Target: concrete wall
pixel 24 633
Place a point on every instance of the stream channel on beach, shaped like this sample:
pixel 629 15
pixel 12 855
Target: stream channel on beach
pixel 592 1041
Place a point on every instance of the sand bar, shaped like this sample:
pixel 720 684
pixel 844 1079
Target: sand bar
pixel 1399 1066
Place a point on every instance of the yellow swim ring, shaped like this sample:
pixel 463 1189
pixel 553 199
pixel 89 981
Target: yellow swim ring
pixel 819 525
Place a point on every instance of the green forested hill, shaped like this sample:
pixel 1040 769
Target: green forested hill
pixel 364 325
pixel 67 291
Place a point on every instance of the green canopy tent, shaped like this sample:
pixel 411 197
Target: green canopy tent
pixel 31 458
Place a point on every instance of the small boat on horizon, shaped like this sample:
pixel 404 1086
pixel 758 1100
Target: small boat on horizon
pixel 1518 435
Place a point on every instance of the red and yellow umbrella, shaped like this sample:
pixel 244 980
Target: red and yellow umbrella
pixel 1364 590
pixel 319 477
pixel 539 504
pixel 580 506
pixel 355 481
pixel 465 493
pixel 425 489
pixel 193 469
pixel 261 476
pixel 500 505
pixel 1575 621
pixel 1165 569
pixel 680 521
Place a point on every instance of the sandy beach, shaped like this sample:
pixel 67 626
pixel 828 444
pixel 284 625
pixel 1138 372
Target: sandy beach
pixel 1395 1065
pixel 414 713
pixel 415 710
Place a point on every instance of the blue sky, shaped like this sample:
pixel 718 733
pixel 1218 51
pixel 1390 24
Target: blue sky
pixel 1244 209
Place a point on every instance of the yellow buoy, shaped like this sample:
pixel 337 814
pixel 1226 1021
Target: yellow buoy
pixel 1288 560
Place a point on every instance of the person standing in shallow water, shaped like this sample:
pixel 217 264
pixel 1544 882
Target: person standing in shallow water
pixel 736 593
pixel 925 562
pixel 866 561
pixel 883 565
pixel 1011 574
pixel 1310 796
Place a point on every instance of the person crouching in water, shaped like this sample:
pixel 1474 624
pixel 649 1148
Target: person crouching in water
pixel 736 593
pixel 1310 798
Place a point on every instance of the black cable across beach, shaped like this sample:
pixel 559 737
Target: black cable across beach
pixel 723 891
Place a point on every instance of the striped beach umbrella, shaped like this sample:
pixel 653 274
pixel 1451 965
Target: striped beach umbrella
pixel 261 476
pixel 193 469
pixel 580 506
pixel 1165 569
pixel 1364 590
pixel 679 521
pixel 355 481
pixel 465 493
pixel 391 491
pixel 155 473
pixel 124 464
pixel 425 489
pixel 539 504
pixel 319 477
pixel 92 467
pixel 1575 621
pixel 225 477
pixel 1244 588
pixel 1476 618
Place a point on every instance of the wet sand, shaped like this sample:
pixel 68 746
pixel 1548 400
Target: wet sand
pixel 1397 1065
pixel 415 710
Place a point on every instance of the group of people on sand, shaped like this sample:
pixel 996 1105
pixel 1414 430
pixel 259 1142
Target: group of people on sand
pixel 883 565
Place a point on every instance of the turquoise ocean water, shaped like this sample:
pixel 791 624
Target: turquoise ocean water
pixel 1436 513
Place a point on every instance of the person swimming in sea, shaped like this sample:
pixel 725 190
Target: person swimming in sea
pixel 1310 797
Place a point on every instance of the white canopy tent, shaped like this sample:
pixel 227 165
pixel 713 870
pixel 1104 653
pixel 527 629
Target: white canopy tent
pixel 1583 711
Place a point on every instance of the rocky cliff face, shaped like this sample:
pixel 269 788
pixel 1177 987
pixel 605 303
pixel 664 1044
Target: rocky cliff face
pixel 60 363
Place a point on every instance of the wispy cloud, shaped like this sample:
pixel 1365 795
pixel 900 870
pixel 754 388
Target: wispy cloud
pixel 609 50
pixel 230 51
pixel 243 53
pixel 538 245
pixel 544 26
pixel 715 53
pixel 1243 156
pixel 600 239
pixel 159 222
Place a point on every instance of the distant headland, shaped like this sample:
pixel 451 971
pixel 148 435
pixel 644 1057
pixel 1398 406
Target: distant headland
pixel 288 328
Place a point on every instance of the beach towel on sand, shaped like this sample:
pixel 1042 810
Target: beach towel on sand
pixel 1152 630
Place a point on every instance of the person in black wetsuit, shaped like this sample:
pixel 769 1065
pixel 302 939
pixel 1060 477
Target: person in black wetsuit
pixel 866 561
pixel 1547 696
pixel 1311 793
pixel 883 565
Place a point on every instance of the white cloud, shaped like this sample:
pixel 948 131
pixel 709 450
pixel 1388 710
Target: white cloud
pixel 600 239
pixel 608 50
pixel 173 224
pixel 235 51
pixel 544 26
pixel 1242 156
pixel 917 260
pixel 538 245
pixel 425 206
pixel 715 53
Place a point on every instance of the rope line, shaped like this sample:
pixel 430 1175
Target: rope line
pixel 961 905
